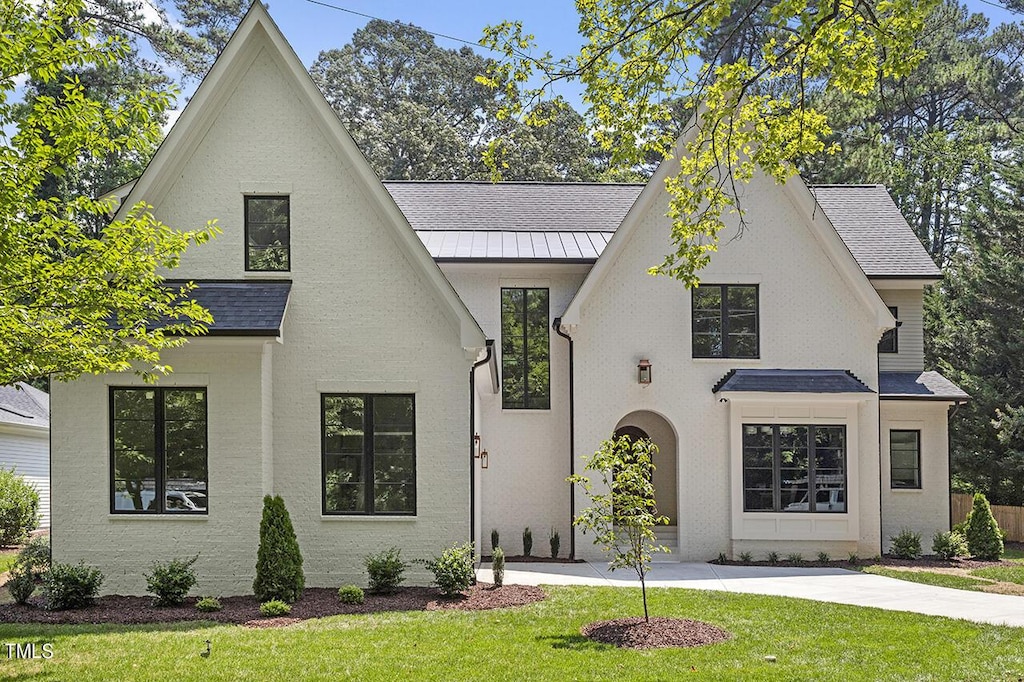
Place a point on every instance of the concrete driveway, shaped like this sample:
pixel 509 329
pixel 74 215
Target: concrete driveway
pixel 820 584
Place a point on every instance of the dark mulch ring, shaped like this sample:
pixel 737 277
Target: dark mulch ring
pixel 316 602
pixel 635 633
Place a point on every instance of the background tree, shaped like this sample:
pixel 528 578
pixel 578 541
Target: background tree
pixel 622 512
pixel 933 135
pixel 636 59
pixel 417 111
pixel 976 339
pixel 62 285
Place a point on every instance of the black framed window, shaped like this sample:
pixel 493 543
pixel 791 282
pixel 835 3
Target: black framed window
pixel 369 454
pixel 159 448
pixel 525 349
pixel 725 321
pixel 905 458
pixel 794 468
pixel 267 233
pixel 890 341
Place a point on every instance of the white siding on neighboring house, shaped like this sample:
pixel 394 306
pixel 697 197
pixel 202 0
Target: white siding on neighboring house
pixel 910 334
pixel 27 452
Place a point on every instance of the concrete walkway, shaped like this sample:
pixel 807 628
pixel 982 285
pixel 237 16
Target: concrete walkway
pixel 820 584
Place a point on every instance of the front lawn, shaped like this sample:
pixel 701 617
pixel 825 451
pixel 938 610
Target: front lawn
pixel 7 558
pixel 959 582
pixel 810 640
pixel 1006 574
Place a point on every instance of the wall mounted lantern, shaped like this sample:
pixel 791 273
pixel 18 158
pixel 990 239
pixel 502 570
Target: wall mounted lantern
pixel 643 375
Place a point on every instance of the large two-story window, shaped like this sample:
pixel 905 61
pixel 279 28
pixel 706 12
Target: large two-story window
pixel 158 450
pixel 369 454
pixel 905 458
pixel 890 341
pixel 267 233
pixel 725 321
pixel 525 349
pixel 798 468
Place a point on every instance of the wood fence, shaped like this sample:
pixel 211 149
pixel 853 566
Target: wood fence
pixel 1010 519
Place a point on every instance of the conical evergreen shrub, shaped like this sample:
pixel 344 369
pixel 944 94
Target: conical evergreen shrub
pixel 984 540
pixel 278 561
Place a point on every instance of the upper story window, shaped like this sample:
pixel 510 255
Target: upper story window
pixel 369 454
pixel 725 321
pixel 905 458
pixel 794 468
pixel 525 349
pixel 267 234
pixel 158 450
pixel 890 341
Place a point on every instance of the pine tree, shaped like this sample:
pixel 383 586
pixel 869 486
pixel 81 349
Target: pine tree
pixel 983 537
pixel 279 561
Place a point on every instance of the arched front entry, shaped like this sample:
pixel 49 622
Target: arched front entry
pixel 645 424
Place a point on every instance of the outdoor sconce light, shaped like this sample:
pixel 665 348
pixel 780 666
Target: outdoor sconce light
pixel 644 372
pixel 483 459
pixel 476 445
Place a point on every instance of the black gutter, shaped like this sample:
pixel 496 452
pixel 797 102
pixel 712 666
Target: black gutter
pixel 556 325
pixel 472 438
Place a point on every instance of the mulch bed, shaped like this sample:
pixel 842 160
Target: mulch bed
pixel 635 633
pixel 315 603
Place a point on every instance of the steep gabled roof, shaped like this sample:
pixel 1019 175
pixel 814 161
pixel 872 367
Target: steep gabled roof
pixel 875 231
pixel 24 405
pixel 258 32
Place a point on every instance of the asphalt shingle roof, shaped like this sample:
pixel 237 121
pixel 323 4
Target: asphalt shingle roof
pixel 242 308
pixel 918 386
pixel 791 381
pixel 514 206
pixel 540 221
pixel 24 405
pixel 875 231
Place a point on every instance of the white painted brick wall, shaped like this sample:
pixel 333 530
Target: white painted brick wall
pixel 810 318
pixel 359 311
pixel 926 510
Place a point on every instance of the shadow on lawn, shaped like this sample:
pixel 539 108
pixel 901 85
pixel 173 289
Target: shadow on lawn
pixel 573 643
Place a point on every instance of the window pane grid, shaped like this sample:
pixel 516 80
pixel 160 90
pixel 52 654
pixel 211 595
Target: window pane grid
pixel 369 461
pixel 724 321
pixel 794 468
pixel 525 349
pixel 158 443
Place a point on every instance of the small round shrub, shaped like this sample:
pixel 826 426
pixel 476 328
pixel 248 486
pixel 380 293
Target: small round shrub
pixel 453 570
pixel 208 605
pixel 498 566
pixel 906 544
pixel 795 558
pixel 746 557
pixel 71 586
pixel 949 545
pixel 350 594
pixel 21 584
pixel 275 607
pixel 35 556
pixel 772 558
pixel 19 508
pixel 824 558
pixel 385 570
pixel 984 540
pixel 171 581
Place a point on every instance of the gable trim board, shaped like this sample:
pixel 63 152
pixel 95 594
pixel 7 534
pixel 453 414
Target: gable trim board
pixel 256 33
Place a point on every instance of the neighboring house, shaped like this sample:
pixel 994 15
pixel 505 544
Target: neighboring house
pixel 349 368
pixel 25 439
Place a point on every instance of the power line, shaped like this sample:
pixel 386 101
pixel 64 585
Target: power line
pixel 398 23
pixel 1003 7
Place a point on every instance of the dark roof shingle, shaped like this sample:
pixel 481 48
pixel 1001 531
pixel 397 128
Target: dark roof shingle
pixel 918 386
pixel 242 308
pixel 875 231
pixel 24 405
pixel 791 381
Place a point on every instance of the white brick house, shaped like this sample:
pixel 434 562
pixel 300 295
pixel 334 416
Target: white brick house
pixel 349 368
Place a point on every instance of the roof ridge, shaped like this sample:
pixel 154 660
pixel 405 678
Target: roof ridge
pixel 506 183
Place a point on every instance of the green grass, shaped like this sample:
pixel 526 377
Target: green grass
pixel 958 582
pixel 811 640
pixel 7 560
pixel 1014 554
pixel 1006 574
